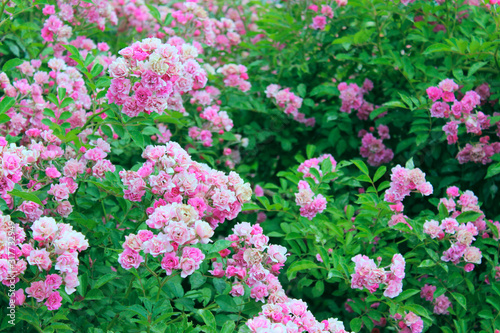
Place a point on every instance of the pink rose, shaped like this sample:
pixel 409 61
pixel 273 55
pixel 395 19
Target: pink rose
pixel 129 259
pixel 170 262
pixel 53 301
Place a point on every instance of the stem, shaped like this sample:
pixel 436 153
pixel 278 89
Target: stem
pixel 129 289
pixel 87 123
pixel 3 8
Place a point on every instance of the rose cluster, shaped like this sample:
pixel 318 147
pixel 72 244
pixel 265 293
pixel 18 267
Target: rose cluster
pixel 253 262
pixel 77 12
pixel 34 103
pixel 191 200
pixel 441 303
pixel 315 162
pixel 319 21
pixel 152 76
pixel 289 102
pixel 368 275
pixel 235 76
pixel 352 97
pixel 57 244
pixel 290 316
pixel 310 204
pixel 374 149
pixel 410 323
pixel 460 235
pixel 403 182
pixel 217 121
pixel 464 111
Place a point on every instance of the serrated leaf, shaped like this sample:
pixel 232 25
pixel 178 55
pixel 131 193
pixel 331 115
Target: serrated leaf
pixel 208 318
pixel 104 279
pixel 26 196
pixel 460 299
pixel 9 64
pixel 379 173
pixel 154 12
pixel 6 103
pixel 356 324
pixel 406 294
pixel 361 166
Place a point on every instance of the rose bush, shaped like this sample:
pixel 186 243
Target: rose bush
pixel 249 166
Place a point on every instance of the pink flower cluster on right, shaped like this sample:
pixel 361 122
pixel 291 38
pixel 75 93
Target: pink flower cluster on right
pixel 463 112
pixel 460 235
pixel 368 275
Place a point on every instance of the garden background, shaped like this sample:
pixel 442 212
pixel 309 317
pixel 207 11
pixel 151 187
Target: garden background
pixel 250 166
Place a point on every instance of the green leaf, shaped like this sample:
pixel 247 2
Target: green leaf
pixel 475 67
pixel 53 99
pixel 299 266
pixel 486 314
pixel 61 93
pixel 427 263
pixel 249 206
pixel 406 294
pixel 154 12
pixel 197 280
pixel 310 151
pixel 437 48
pixel 139 310
pixel 103 82
pixel 379 173
pixel 66 102
pixel 26 196
pixel 4 118
pixel 468 216
pixel 228 136
pixel 6 103
pixel 168 19
pixel 493 170
pixel 356 324
pixel 137 138
pixel 419 310
pixel 11 64
pixel 169 119
pixel 220 245
pixel 228 327
pixel 65 115
pixel 208 318
pixel 361 166
pixel 94 295
pixel 460 299
pixel 225 302
pixel 301 89
pixel 104 279
pixel 409 164
pixel 96 70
